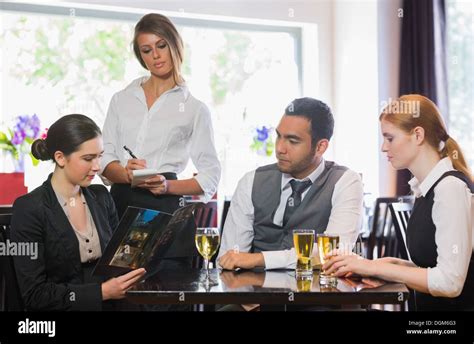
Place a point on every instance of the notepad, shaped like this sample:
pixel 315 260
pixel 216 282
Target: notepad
pixel 139 176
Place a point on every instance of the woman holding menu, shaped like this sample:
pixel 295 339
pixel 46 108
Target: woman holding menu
pixel 71 223
pixel 159 120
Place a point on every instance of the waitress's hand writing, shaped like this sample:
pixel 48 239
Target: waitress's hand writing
pixel 134 164
pixel 158 185
pixel 115 288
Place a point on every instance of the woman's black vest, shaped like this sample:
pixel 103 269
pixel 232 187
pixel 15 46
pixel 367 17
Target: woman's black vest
pixel 422 247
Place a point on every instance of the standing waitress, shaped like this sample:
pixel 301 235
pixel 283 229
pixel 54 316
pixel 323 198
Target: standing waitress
pixel 159 120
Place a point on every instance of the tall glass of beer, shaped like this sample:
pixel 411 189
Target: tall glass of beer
pixel 303 240
pixel 326 243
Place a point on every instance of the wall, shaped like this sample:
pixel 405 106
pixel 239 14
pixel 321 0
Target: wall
pixel 389 35
pixel 356 65
pixel 312 12
pixel 355 88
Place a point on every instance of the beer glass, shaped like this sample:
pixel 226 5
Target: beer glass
pixel 326 243
pixel 304 283
pixel 303 240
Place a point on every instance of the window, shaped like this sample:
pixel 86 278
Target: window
pixel 59 64
pixel 460 37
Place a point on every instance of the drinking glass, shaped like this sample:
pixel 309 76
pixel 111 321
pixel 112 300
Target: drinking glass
pixel 326 243
pixel 303 240
pixel 207 242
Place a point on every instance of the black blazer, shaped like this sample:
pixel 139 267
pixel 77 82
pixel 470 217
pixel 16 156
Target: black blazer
pixel 55 280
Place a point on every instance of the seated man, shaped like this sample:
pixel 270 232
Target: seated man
pixel 300 191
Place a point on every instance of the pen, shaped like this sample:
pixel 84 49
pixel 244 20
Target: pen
pixel 130 152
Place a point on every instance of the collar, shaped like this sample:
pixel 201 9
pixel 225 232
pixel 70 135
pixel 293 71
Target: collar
pixel 286 178
pixel 52 196
pixel 421 189
pixel 63 202
pixel 135 87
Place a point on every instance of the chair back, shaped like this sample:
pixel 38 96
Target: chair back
pixel 225 211
pixel 10 295
pixel 383 239
pixel 388 232
pixel 401 212
pixel 204 216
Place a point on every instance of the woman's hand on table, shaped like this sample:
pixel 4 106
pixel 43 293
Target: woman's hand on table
pixel 347 265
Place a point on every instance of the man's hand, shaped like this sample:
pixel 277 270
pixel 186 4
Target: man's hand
pixel 232 260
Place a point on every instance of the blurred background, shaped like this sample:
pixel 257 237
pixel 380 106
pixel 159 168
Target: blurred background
pixel 246 60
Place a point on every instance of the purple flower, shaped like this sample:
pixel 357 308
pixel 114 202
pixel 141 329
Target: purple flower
pixel 262 134
pixel 34 124
pixel 262 141
pixel 18 137
pixel 26 126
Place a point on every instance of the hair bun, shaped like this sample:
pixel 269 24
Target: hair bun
pixel 39 150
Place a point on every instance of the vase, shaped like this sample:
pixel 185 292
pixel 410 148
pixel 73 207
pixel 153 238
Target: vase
pixel 10 163
pixel 19 164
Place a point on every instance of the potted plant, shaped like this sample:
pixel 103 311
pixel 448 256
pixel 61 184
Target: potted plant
pixel 17 141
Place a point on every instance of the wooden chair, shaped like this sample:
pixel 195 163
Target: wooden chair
pixel 387 237
pixel 383 240
pixel 379 237
pixel 401 214
pixel 225 211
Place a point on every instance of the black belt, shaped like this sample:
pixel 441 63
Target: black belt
pixel 124 195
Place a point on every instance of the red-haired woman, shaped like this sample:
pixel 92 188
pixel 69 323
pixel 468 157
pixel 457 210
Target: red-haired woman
pixel 440 230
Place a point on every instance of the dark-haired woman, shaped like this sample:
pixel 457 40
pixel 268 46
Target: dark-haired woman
pixel 440 229
pixel 69 222
pixel 162 123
